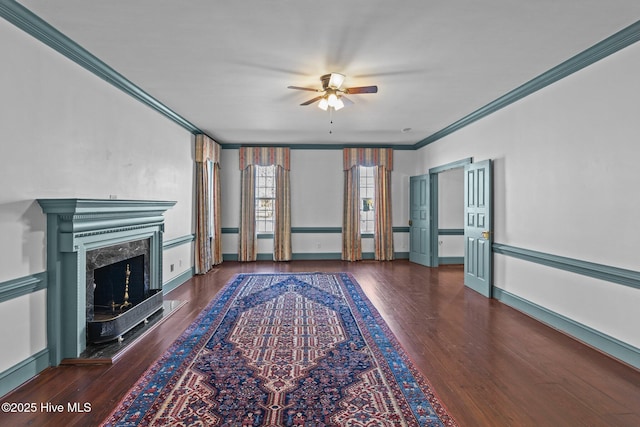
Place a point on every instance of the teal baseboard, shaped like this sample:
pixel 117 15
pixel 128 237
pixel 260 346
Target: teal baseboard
pixel 448 260
pixel 310 230
pixel 177 281
pixel 605 343
pixel 23 371
pixel 316 256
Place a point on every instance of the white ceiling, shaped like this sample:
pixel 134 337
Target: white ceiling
pixel 225 65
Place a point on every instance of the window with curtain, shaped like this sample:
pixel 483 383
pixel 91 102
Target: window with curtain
pixel 367 202
pixel 265 201
pixel 265 196
pixel 367 197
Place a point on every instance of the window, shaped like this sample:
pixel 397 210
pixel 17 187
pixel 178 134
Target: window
pixel 367 196
pixel 265 198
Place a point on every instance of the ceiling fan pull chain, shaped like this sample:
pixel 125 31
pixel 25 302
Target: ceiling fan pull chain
pixel 330 119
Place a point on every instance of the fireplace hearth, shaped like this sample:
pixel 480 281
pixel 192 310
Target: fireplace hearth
pixel 90 243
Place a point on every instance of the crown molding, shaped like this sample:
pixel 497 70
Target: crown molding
pixel 322 146
pixel 27 21
pixel 608 46
pixel 41 30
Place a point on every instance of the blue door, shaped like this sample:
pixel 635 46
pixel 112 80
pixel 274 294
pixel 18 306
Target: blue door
pixel 419 236
pixel 477 230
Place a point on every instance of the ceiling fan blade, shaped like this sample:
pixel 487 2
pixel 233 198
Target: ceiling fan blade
pixel 303 88
pixel 346 101
pixel 362 89
pixel 311 101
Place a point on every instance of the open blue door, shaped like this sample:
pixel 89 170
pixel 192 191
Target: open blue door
pixel 477 230
pixel 419 238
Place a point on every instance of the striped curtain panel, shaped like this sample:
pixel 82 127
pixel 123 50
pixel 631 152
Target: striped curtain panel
pixel 208 244
pixel 248 245
pixel 282 226
pixel 383 234
pixel 216 246
pixel 382 158
pixel 351 240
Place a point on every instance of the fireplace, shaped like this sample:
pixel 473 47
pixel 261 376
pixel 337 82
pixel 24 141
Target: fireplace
pixel 100 249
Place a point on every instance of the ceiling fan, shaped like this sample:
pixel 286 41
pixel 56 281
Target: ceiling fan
pixel 333 93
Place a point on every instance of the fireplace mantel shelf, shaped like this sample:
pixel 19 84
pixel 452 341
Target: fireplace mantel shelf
pixel 91 215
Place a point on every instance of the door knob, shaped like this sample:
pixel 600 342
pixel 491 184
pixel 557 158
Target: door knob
pixel 486 234
pixel 410 223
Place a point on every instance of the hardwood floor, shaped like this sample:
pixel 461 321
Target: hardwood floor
pixel 491 365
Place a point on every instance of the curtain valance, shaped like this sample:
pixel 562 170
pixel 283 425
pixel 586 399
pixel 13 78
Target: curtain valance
pixel 368 157
pixel 265 156
pixel 207 149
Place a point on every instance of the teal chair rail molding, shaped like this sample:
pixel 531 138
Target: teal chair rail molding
pixel 178 241
pixel 22 286
pixel 598 271
pixel 309 230
pixel 313 256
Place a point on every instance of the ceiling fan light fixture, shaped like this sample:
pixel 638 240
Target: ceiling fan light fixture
pixel 332 99
pixel 336 80
pixel 323 104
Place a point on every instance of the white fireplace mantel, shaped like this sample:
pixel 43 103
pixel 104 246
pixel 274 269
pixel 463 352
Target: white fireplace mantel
pixel 75 226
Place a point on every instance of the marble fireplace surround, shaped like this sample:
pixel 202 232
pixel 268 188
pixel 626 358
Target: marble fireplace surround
pixel 74 227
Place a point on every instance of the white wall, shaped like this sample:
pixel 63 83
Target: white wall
pixel 566 183
pixel 66 133
pixel 451 211
pixel 316 199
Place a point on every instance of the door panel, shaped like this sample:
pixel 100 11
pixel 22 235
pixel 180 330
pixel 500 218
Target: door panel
pixel 477 231
pixel 419 236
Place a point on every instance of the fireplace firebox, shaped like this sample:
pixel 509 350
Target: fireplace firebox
pixel 119 295
pixel 117 288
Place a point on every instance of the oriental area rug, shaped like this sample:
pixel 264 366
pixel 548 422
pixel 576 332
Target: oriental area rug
pixel 301 349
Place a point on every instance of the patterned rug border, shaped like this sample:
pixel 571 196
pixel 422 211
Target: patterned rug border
pixel 170 365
